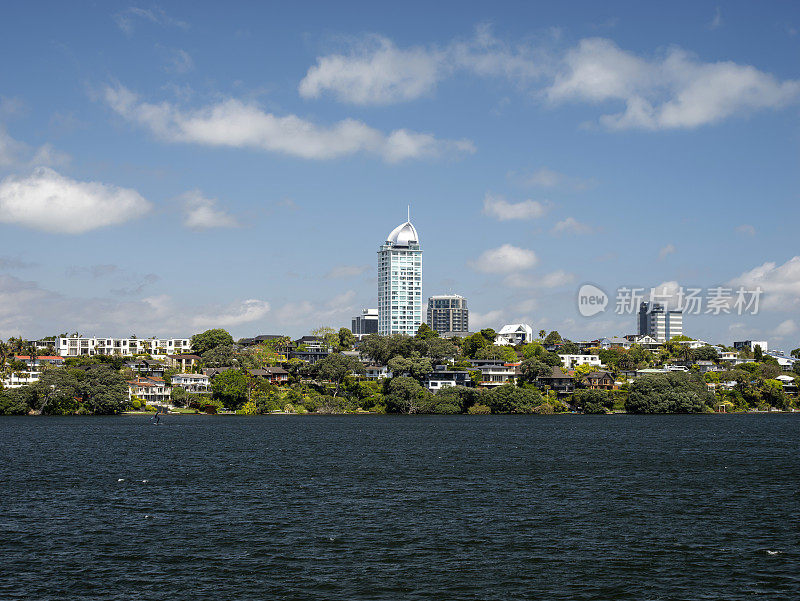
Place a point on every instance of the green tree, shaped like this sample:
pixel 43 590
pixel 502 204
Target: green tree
pixel 773 394
pixel 439 349
pixel 511 399
pixel 533 369
pixel 593 401
pixel 542 334
pixel 795 353
pixel 501 353
pixel 669 393
pixel 335 368
pixel 16 401
pixel 424 332
pixel 210 339
pixel 328 335
pixel 415 366
pixel 346 339
pixel 758 353
pixel 472 344
pixel 230 387
pixel 533 350
pixel 406 395
pixel 223 355
pixel 553 338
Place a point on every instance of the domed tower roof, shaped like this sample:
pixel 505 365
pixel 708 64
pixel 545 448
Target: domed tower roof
pixel 403 235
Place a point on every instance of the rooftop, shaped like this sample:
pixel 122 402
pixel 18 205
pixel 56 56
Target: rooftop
pixel 403 235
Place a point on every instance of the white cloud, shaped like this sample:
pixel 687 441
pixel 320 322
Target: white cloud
pixel 505 259
pixel 570 225
pixel 746 229
pixel 202 213
pixel 346 271
pixel 676 91
pixel 545 177
pixel 490 319
pixel 33 311
pixel 376 71
pixel 554 279
pixel 237 124
pixel 126 19
pixel 10 149
pixel 499 208
pixel 780 284
pixel 785 328
pixel 51 202
pixel 669 249
pixel 234 315
pixel 557 278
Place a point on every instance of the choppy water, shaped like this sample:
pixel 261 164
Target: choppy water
pixel 374 507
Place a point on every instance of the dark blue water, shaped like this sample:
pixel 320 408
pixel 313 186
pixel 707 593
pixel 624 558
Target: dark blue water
pixel 373 507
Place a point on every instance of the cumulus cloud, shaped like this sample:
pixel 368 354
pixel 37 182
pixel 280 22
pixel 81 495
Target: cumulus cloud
pixel 314 314
pixel 665 251
pixel 505 259
pixel 14 153
pixel 10 149
pixel 201 213
pixel 785 328
pixel 675 91
pixel 28 309
pixel 234 315
pixel 51 202
pixel 570 225
pixel 375 71
pixel 746 229
pixel 554 279
pixel 238 124
pixel 780 284
pixel 490 319
pixel 499 208
pixel 346 271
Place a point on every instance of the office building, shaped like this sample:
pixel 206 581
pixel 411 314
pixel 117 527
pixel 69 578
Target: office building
pixel 658 322
pixel 366 323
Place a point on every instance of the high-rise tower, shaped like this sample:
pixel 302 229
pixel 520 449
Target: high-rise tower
pixel 400 282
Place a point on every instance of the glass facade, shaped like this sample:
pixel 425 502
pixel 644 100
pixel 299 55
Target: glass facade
pixel 400 282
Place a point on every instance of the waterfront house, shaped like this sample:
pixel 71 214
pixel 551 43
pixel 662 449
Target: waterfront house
pixel 558 381
pixel 32 371
pixel 191 382
pixel 441 377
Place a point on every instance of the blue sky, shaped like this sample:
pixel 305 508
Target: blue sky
pixel 167 168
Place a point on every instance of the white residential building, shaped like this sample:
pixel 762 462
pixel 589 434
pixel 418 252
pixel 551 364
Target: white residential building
pixel 75 346
pixel 400 282
pixel 32 371
pixel 514 334
pixel 151 390
pixel 191 382
pixel 570 361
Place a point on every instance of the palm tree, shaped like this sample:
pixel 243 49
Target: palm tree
pixel 5 349
pixel 542 334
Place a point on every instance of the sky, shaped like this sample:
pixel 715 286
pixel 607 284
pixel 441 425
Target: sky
pixel 168 168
